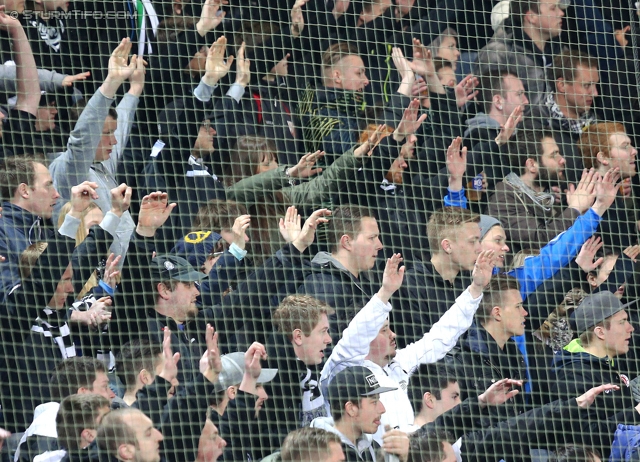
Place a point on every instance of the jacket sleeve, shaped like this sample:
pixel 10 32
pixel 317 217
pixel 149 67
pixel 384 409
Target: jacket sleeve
pixel 126 115
pixel 50 81
pixel 556 254
pixel 72 166
pixel 353 347
pixel 248 190
pixel 523 227
pixel 152 399
pixel 443 334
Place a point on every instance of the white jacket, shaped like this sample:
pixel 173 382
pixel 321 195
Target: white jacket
pixel 353 347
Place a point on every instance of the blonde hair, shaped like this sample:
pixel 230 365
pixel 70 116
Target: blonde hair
pixel 82 232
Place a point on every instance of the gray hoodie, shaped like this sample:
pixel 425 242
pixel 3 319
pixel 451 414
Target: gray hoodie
pixel 481 120
pixel 364 443
pixel 77 164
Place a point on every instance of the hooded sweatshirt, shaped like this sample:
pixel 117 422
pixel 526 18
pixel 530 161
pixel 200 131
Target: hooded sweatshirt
pixel 363 449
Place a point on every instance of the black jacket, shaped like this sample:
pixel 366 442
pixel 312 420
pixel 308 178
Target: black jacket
pixel 480 362
pixel 332 283
pixel 422 299
pixel 575 373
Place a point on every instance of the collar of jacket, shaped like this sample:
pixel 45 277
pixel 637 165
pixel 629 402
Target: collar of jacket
pixel 426 267
pixel 575 352
pixel 21 218
pixel 324 260
pixel 559 121
pixel 478 340
pixel 282 357
pixel 163 320
pixel 349 102
pixel 542 58
pixel 362 444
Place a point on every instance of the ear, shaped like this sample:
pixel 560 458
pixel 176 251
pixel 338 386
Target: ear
pixel 427 400
pixel 145 377
pixel 531 18
pixel 336 75
pixel 591 279
pixel 599 332
pixel 177 7
pixel 561 85
pixel 231 392
pixel 23 191
pixel 126 452
pixel 351 409
pixel 498 101
pixel 345 242
pixel 445 245
pixel 602 160
pixel 83 391
pixel 163 291
pixel 297 337
pixel 496 313
pixel 531 166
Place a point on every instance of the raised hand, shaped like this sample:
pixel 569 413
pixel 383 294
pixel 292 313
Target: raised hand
pixel 456 164
pixel 392 278
pixel 69 80
pixel 410 121
pixel 253 367
pixel 211 362
pixel 582 197
pixel 371 144
pixel 297 18
pixel 243 67
pixel 120 68
pixel 307 234
pixel 586 400
pixel 422 60
pixel 98 315
pixel 136 79
pixel 499 392
pixel 466 90
pixel 281 69
pixel 482 272
pixel 211 16
pixel 588 252
pixel 239 230
pixel 120 199
pixel 8 22
pixel 509 127
pixel 169 359
pixel 632 252
pixel 304 168
pixel 291 225
pixel 111 272
pixel 606 191
pixel 216 67
pixel 154 211
pixel 81 197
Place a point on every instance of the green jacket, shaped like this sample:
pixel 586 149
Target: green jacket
pixel 316 191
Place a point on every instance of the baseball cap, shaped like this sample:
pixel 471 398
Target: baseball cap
pixel 355 381
pixel 196 247
pixel 596 308
pixel 172 267
pixel 233 370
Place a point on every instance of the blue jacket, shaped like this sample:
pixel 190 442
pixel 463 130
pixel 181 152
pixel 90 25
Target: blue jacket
pixel 626 443
pixel 18 230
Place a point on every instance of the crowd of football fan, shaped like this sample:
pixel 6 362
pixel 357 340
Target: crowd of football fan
pixel 361 230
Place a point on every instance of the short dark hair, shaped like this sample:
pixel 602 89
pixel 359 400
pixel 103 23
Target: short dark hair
pixel 76 413
pixel 72 374
pixel 427 445
pixel 519 8
pixel 432 378
pixel 574 454
pixel 493 295
pixel 337 403
pixel 299 312
pixel 346 220
pixel 528 145
pixel 217 215
pixel 444 222
pixel 565 65
pixel 307 444
pixel 14 171
pixel 492 83
pixel 114 430
pixel 134 356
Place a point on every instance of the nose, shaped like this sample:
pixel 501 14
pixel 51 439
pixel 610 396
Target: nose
pixel 113 140
pixel 525 100
pixel 327 339
pixel 111 394
pixel 561 12
pixel 524 313
pixel 631 328
pixel 594 92
pixel 56 195
pixel 505 248
pixel 366 81
pixel 223 443
pixel 195 289
pixel 159 435
pixel 381 408
pixel 378 244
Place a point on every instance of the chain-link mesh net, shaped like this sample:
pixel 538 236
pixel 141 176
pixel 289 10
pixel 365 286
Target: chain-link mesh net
pixel 317 231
